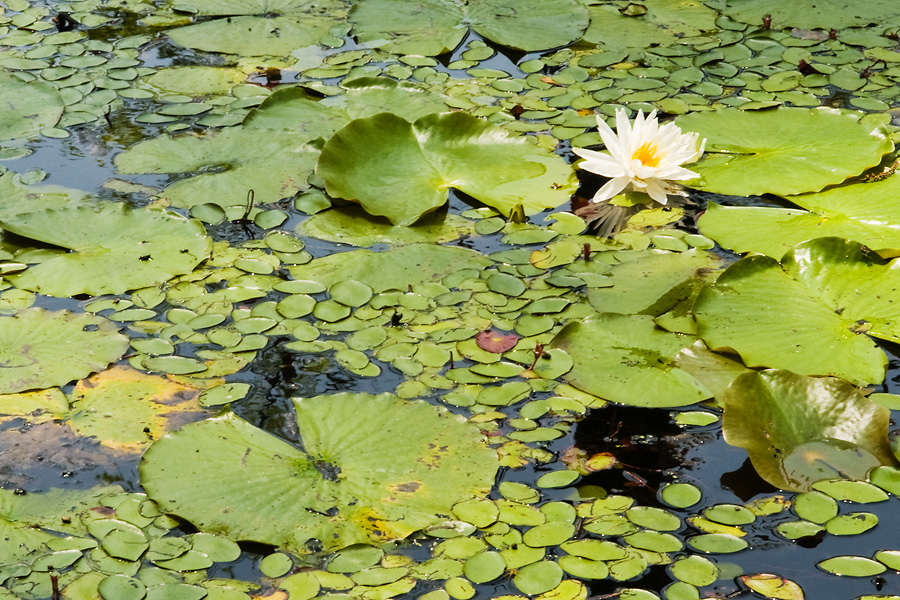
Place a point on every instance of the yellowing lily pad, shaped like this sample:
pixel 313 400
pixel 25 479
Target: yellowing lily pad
pixel 126 409
pixel 375 468
pixel 28 107
pixel 773 586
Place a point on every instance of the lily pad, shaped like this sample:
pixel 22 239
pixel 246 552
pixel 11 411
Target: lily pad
pixel 41 349
pixel 126 409
pixel 257 27
pixel 28 523
pixel 249 485
pixel 786 151
pixel 433 27
pixel 663 23
pixel 18 197
pixel 352 225
pixel 626 359
pixel 806 313
pixel 196 80
pixel 274 164
pixel 28 107
pixel 402 171
pixel 799 430
pixel 810 14
pixel 397 268
pixel 273 152
pixel 867 213
pixel 653 282
pixel 295 108
pixel 112 249
pixel 773 586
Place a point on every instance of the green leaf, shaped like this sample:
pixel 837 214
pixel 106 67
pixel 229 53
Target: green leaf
pixel 258 27
pixel 807 313
pixel 867 213
pixel 27 107
pixel 653 282
pixel 352 225
pixel 26 521
pixel 17 197
pixel 402 171
pixel 41 349
pixel 397 268
pixel 112 249
pixel 273 163
pixel 296 109
pixel 799 430
pixel 784 151
pixel 249 485
pixel 663 24
pixel 196 80
pixel 810 14
pixel 124 409
pixel 273 152
pixel 626 359
pixel 432 27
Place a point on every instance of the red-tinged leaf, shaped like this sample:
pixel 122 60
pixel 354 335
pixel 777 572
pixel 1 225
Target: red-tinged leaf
pixel 496 341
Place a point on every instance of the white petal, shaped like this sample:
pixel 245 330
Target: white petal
pixel 657 190
pixel 604 165
pixel 610 139
pixel 612 187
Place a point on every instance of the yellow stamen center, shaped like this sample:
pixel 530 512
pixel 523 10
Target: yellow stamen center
pixel 647 154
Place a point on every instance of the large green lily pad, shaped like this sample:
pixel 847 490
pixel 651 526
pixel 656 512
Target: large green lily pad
pixel 627 359
pixel 662 25
pixel 28 107
pixel 29 522
pixel 433 27
pixel 112 249
pixel 786 151
pixel 402 171
pixel 808 313
pixel 867 213
pixel 373 469
pixel 17 197
pixel 396 269
pixel 273 163
pixel 799 430
pixel 811 14
pixel 352 225
pixel 41 349
pixel 652 282
pixel 273 152
pixel 258 27
pixel 295 108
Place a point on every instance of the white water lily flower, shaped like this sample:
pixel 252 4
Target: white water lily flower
pixel 646 157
